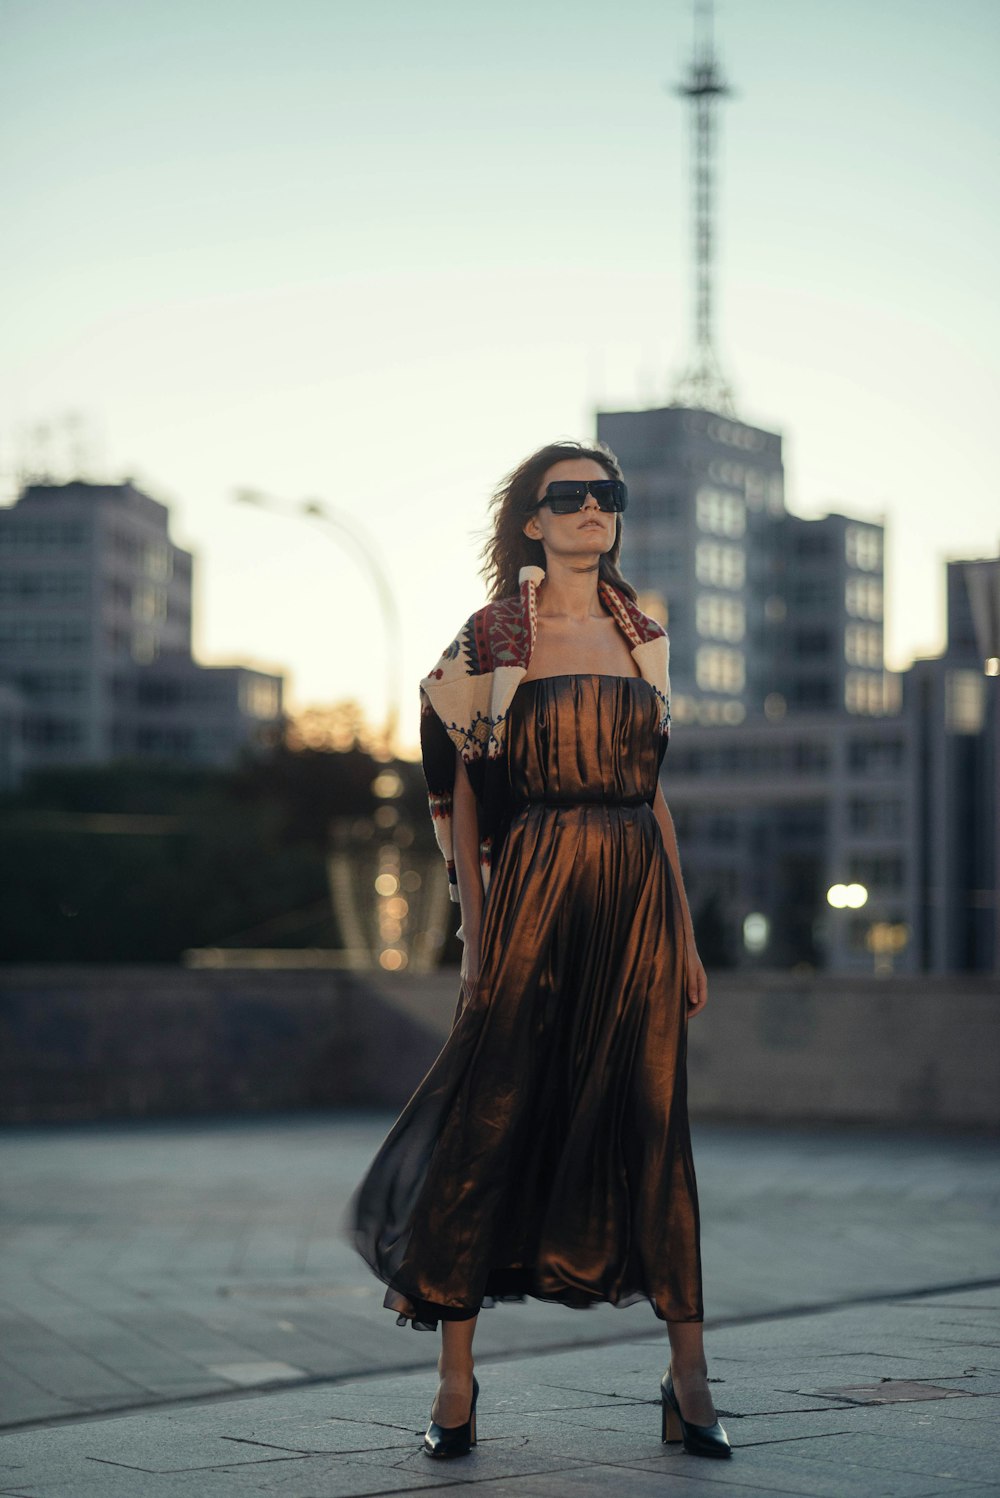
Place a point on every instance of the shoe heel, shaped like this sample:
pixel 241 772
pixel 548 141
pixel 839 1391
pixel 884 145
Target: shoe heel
pixel 699 1440
pixel 453 1440
pixel 671 1425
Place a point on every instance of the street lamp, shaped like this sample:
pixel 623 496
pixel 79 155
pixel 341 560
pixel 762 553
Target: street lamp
pixel 846 896
pixel 347 531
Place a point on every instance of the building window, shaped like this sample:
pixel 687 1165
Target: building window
pixel 863 597
pixel 812 542
pixel 156 561
pixel 43 632
pixel 755 489
pixel 863 645
pixel 148 603
pixel 720 618
pixel 28 587
pixel 726 471
pixel 875 756
pixel 144 647
pixel 53 733
pixel 50 683
pixel 718 565
pixel 877 871
pixel 718 669
pixel 885 817
pixel 719 513
pixel 811 692
pixel 964 701
pixel 813 593
pixel 259 697
pixel 721 829
pixel 801 823
pixel 863 547
pixel 28 535
pixel 863 692
pixel 815 641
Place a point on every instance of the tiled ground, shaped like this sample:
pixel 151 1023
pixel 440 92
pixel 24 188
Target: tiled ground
pixel 587 1421
pixel 193 1275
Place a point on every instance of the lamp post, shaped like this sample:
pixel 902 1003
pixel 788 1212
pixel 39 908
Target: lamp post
pixel 347 531
pixel 393 915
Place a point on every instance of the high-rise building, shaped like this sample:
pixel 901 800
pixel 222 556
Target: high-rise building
pixel 823 611
pixel 768 612
pixel 702 488
pixel 95 638
pixel 951 704
pixel 847 841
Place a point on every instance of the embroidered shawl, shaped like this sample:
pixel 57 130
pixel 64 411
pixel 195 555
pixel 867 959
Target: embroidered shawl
pixel 465 700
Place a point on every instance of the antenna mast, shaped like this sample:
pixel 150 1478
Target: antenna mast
pixel 703 384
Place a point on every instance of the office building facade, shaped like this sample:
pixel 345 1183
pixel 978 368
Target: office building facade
pixel 768 612
pixel 95 639
pixel 774 817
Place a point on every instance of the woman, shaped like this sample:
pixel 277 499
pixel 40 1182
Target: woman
pixel 547 1151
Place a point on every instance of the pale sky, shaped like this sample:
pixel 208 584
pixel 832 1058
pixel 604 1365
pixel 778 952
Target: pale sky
pixel 377 253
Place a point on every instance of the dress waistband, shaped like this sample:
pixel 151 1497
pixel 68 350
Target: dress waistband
pixel 564 801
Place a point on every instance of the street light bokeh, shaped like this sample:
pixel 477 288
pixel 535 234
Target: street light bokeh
pixel 846 896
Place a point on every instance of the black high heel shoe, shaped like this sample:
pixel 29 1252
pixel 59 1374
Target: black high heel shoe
pixel 453 1440
pixel 699 1440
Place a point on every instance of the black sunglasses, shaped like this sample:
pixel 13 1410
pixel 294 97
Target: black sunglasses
pixel 567 496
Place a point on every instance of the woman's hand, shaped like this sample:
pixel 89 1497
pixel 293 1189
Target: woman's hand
pixel 696 980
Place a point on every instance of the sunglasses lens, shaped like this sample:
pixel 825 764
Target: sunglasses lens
pixel 564 496
pixel 567 496
pixel 609 493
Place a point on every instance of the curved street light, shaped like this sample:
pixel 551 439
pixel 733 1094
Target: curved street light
pixel 346 529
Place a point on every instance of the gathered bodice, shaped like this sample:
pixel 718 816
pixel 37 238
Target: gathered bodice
pixel 583 737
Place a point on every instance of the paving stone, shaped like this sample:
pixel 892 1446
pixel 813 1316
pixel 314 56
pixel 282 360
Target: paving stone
pixel 146 1260
pixel 780 1471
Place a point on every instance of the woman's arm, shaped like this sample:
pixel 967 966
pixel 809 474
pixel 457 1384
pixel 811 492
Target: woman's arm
pixel 697 982
pixel 465 825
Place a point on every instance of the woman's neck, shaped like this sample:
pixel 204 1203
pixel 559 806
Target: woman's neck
pixel 569 590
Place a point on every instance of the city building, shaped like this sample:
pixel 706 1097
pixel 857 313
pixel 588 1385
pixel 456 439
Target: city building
pixel 783 821
pixel 822 616
pixel 701 490
pixel 768 612
pixel 829 813
pixel 95 639
pixel 951 705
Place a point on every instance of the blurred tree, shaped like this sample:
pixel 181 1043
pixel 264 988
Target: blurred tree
pixel 135 862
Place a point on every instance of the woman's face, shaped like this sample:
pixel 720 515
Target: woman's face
pixel 588 533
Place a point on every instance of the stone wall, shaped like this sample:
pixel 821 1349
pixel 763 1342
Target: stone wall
pixel 85 1043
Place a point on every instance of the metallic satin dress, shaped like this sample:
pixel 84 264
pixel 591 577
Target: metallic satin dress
pixel 547 1153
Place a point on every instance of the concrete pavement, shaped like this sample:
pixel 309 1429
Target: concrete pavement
pixel 179 1310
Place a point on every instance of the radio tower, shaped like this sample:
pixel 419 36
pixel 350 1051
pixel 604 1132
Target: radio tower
pixel 702 384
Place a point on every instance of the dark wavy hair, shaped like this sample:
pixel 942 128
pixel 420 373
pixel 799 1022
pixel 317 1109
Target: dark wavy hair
pixel 508 549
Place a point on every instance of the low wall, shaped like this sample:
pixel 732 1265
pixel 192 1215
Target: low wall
pixel 87 1043
pixel 906 1050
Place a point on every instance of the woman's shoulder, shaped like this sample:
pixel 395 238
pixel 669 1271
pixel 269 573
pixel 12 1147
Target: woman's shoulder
pixel 645 626
pixel 494 634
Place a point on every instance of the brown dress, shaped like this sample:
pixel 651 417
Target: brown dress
pixel 547 1153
